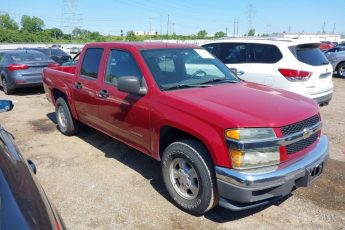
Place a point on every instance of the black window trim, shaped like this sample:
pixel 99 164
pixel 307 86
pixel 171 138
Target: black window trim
pixel 87 77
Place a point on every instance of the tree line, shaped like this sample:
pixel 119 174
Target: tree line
pixel 32 30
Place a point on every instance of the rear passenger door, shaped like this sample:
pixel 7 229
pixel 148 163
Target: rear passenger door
pixel 264 60
pixel 124 115
pixel 236 57
pixel 86 88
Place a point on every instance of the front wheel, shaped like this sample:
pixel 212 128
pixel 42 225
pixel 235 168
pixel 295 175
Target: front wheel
pixel 188 176
pixel 66 123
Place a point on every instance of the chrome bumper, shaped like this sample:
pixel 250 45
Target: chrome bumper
pixel 249 187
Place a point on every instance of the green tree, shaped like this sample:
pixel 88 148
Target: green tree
pixel 55 33
pixel 31 24
pixel 219 34
pixel 130 36
pixel 7 23
pixel 202 34
pixel 251 32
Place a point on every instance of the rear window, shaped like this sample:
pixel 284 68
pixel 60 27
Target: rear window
pixel 309 54
pixel 264 53
pixel 29 56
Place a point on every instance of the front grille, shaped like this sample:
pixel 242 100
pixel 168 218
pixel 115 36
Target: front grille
pixel 300 145
pixel 298 127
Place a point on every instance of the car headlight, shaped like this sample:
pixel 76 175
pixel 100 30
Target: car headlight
pixel 254 157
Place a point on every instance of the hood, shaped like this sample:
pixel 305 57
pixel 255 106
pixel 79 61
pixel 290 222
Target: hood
pixel 244 105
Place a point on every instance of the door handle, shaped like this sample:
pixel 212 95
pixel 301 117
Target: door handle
pixel 78 85
pixel 104 93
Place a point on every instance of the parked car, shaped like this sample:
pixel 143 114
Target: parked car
pixel 292 65
pixel 24 204
pixel 72 62
pixel 74 50
pixel 56 54
pixel 336 56
pixel 325 45
pixel 22 68
pixel 220 140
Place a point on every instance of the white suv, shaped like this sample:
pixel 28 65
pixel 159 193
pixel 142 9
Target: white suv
pixel 293 65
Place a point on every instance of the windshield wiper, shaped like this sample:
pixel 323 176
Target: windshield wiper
pixel 181 86
pixel 218 80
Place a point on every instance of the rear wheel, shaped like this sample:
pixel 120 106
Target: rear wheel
pixel 5 88
pixel 66 123
pixel 341 69
pixel 188 176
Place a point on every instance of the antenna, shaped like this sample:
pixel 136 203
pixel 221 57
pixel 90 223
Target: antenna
pixel 299 35
pixel 70 16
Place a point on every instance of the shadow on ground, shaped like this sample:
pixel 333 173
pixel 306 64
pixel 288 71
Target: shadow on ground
pixel 150 169
pixel 28 91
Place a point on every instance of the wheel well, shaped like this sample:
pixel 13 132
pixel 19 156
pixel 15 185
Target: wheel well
pixel 57 93
pixel 170 134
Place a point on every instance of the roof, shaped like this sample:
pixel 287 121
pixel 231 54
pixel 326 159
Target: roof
pixel 143 45
pixel 281 41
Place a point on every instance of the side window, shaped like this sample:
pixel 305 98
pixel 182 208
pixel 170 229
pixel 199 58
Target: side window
pixel 211 48
pixel 121 63
pixel 264 53
pixel 91 62
pixel 231 53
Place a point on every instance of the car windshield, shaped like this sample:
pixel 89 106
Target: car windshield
pixel 186 67
pixel 29 56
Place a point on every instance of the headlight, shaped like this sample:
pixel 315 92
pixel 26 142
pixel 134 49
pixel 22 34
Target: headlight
pixel 256 157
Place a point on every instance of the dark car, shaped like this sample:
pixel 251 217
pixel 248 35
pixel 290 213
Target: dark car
pixel 56 54
pixel 22 68
pixel 24 204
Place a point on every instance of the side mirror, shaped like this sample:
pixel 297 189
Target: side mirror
pixel 234 70
pixel 5 105
pixel 130 84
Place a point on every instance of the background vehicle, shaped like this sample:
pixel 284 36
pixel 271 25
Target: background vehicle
pixel 73 61
pixel 220 140
pixel 24 204
pixel 22 68
pixel 336 56
pixel 325 45
pixel 75 50
pixel 56 54
pixel 291 65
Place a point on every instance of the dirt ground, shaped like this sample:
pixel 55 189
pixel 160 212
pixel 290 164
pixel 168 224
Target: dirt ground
pixel 99 183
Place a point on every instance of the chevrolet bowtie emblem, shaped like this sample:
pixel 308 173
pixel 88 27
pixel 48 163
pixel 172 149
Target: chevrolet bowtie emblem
pixel 307 133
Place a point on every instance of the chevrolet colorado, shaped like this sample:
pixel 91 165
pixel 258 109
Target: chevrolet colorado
pixel 220 140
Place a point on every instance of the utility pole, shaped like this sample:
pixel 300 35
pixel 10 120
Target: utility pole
pixel 226 31
pixel 235 27
pixel 323 27
pixel 333 28
pixel 173 24
pixel 168 24
pixel 150 28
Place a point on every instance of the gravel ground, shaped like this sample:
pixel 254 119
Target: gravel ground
pixel 99 183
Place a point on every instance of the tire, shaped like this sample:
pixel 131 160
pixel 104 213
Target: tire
pixel 6 90
pixel 341 70
pixel 188 175
pixel 66 123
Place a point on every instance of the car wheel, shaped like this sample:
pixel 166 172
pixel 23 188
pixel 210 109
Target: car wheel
pixel 341 70
pixel 188 176
pixel 66 123
pixel 5 88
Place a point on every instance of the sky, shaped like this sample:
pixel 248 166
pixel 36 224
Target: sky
pixel 184 17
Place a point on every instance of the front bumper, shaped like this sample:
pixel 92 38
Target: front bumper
pixel 241 190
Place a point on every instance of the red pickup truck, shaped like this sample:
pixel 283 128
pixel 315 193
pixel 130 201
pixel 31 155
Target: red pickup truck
pixel 220 140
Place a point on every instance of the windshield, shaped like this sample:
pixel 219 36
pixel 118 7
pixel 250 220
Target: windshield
pixel 182 68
